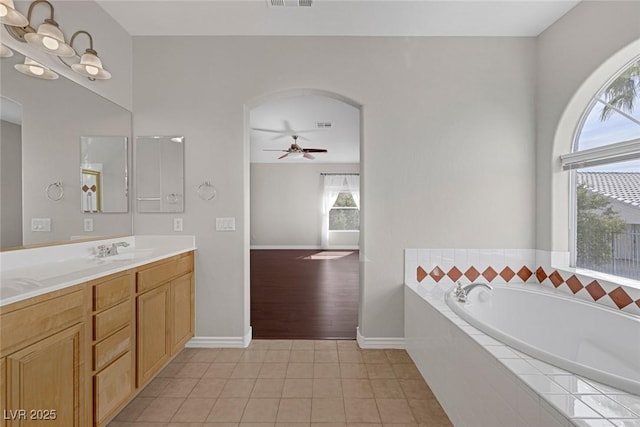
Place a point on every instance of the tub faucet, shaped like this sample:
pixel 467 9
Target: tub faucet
pixel 461 292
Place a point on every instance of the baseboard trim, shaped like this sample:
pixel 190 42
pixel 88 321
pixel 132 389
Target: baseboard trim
pixel 373 343
pixel 305 248
pixel 221 342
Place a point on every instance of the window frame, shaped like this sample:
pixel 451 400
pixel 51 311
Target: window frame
pixel 607 154
pixel 341 208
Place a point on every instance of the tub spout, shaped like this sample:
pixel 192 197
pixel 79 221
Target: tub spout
pixel 461 293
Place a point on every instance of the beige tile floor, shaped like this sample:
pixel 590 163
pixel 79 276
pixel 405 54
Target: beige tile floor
pixel 287 383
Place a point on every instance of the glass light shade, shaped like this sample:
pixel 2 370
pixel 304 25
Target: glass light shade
pixel 5 52
pixel 296 155
pixel 10 16
pixel 91 66
pixel 35 69
pixel 50 39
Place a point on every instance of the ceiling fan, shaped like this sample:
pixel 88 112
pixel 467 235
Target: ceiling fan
pixel 297 152
pixel 286 131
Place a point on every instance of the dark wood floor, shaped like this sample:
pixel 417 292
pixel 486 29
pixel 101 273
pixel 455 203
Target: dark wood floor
pixel 304 294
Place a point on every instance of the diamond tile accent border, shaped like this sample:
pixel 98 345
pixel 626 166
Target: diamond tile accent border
pixel 620 297
pixel 574 284
pixel 595 291
pixel 447 266
pixel 489 274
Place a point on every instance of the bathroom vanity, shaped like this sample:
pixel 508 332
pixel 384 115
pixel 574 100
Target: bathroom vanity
pixel 76 352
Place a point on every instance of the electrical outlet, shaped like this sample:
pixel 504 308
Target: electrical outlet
pixel 88 224
pixel 40 224
pixel 177 224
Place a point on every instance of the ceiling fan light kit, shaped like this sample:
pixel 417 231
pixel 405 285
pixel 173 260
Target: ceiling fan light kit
pixel 297 152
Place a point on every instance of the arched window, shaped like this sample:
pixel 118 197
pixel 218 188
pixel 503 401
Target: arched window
pixel 605 181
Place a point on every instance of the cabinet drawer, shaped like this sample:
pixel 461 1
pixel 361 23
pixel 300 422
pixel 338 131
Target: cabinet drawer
pixel 164 271
pixel 110 348
pixel 112 387
pixel 111 320
pixel 111 291
pixel 23 326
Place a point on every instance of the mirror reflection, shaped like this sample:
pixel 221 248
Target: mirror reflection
pixel 103 171
pixel 55 114
pixel 10 173
pixel 160 173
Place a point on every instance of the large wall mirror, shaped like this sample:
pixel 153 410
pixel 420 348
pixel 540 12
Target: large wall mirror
pixel 51 153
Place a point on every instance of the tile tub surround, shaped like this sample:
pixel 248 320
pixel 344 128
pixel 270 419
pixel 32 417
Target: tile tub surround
pixel 27 273
pixel 502 266
pixel 289 383
pixel 460 362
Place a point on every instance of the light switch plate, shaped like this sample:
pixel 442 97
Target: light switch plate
pixel 177 224
pixel 226 224
pixel 88 224
pixel 40 224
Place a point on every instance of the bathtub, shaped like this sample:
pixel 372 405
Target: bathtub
pixel 588 339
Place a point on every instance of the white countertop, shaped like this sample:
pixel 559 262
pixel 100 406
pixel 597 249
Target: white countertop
pixel 24 274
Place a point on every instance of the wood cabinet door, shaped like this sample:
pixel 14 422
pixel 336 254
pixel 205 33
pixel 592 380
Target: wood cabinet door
pixel 153 339
pixel 45 382
pixel 3 393
pixel 182 311
pixel 112 387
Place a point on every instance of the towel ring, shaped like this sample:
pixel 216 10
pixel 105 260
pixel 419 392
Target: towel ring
pixel 172 198
pixel 55 191
pixel 206 191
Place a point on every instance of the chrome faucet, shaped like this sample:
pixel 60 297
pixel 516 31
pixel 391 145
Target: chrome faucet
pixel 461 292
pixel 105 251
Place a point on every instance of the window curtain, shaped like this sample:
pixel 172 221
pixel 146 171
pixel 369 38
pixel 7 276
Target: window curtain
pixel 333 185
pixel 353 185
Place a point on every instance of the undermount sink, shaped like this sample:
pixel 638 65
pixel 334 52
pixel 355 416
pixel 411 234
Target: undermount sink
pixel 136 254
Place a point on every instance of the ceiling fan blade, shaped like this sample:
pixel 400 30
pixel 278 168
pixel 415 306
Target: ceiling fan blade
pixel 314 150
pixel 287 126
pixel 269 149
pixel 283 156
pixel 308 156
pixel 266 130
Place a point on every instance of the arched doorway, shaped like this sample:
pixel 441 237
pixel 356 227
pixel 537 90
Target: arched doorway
pixel 304 279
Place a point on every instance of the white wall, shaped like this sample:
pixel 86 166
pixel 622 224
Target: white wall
pixel 10 185
pixel 286 204
pixel 447 158
pixel 571 69
pixel 110 40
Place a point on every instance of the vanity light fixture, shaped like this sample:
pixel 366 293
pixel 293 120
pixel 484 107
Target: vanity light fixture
pixel 90 65
pixel 49 37
pixel 5 52
pixel 10 16
pixel 32 68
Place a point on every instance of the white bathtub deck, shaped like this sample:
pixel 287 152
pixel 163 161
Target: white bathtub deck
pixel 562 398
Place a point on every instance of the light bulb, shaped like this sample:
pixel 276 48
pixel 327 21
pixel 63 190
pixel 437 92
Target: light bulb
pixel 50 43
pixel 37 71
pixel 3 10
pixel 91 70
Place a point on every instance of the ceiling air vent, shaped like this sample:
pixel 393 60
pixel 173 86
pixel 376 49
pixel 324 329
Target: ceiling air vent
pixel 289 3
pixel 323 125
